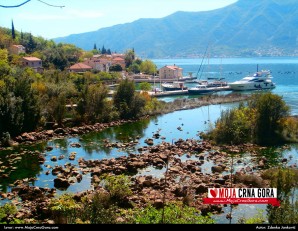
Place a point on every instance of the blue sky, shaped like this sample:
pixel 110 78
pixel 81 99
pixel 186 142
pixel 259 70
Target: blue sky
pixel 80 16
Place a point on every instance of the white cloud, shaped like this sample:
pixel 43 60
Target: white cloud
pixel 67 14
pixel 83 13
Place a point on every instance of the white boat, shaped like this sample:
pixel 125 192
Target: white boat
pixel 261 80
pixel 205 89
pixel 175 86
pixel 200 89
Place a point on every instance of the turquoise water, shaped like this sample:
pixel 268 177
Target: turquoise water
pixel 284 71
pixel 191 122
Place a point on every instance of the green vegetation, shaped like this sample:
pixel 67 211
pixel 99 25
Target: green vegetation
pixel 29 99
pixel 7 212
pixel 174 213
pixel 117 186
pixel 144 86
pixel 128 102
pixel 259 218
pixel 261 122
pixel 286 182
pixel 64 209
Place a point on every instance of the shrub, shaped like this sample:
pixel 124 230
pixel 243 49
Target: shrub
pixel 7 212
pixel 174 213
pixel 118 186
pixel 64 209
pixel 98 209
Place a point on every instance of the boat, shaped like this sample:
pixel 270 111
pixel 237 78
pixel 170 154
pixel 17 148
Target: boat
pixel 200 89
pixel 175 86
pixel 217 82
pixel 260 80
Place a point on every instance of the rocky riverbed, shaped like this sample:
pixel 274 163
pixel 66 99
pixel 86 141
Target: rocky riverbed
pixel 184 166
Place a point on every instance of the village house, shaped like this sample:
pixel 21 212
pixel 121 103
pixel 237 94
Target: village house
pixel 104 62
pixel 99 63
pixel 119 61
pixel 80 68
pixel 170 72
pixel 33 62
pixel 17 49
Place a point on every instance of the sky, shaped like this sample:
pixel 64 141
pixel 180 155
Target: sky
pixel 80 16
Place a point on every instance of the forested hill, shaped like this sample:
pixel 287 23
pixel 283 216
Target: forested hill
pixel 247 27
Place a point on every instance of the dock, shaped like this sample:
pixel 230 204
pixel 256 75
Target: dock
pixel 167 93
pixel 184 92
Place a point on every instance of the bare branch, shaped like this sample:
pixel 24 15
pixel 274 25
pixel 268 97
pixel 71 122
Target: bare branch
pixel 29 1
pixel 15 5
pixel 49 4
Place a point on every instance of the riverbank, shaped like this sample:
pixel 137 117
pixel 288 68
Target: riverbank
pixel 168 172
pixel 178 104
pixel 187 168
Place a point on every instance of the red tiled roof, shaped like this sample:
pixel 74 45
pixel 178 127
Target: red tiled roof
pixel 174 67
pixel 79 66
pixel 118 59
pixel 18 46
pixel 31 59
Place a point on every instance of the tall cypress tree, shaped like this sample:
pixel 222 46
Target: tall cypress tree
pixel 13 35
pixel 94 47
pixel 103 50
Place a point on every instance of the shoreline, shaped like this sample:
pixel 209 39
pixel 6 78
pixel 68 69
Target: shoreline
pixel 176 105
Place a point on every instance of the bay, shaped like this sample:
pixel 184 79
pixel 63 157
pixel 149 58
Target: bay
pixel 189 122
pixel 284 71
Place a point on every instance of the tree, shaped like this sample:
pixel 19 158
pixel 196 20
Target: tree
pixel 148 67
pixel 270 109
pixel 116 68
pixel 92 104
pixel 129 57
pixel 103 50
pixel 31 45
pixel 30 105
pixel 145 86
pixel 129 103
pixel 135 68
pixel 259 122
pixel 94 47
pixel 13 35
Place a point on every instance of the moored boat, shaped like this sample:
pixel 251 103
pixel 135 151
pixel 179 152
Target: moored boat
pixel 261 80
pixel 200 89
pixel 175 86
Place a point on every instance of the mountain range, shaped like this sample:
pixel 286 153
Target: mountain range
pixel 245 28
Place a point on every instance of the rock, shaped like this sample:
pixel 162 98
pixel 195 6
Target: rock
pixel 76 145
pixel 248 169
pixel 61 157
pixel 54 158
pixel 180 191
pixel 201 188
pixel 95 179
pixel 158 204
pixel 157 161
pixel 59 131
pixel 61 183
pixel 133 166
pixel 149 141
pixel 216 169
pixel 49 148
pixel 220 181
pixel 79 178
pixel 49 133
pixel 156 135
